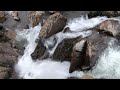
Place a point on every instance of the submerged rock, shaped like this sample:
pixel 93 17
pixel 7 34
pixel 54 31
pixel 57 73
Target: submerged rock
pixel 54 24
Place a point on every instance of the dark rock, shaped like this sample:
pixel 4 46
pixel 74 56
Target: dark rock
pixel 39 51
pixel 54 24
pixel 77 54
pixel 67 29
pixel 96 44
pixel 64 49
pixel 103 13
pixel 1 27
pixel 72 78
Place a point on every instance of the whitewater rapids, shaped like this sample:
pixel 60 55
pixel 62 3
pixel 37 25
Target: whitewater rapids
pixel 49 69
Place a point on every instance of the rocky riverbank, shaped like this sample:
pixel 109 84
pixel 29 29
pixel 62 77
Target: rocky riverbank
pixel 82 52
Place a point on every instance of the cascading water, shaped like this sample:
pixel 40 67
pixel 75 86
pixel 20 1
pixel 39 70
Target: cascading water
pixel 49 69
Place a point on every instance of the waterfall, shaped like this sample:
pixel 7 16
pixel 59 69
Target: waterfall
pixel 49 69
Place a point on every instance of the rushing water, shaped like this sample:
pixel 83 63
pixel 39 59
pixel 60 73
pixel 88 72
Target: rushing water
pixel 108 63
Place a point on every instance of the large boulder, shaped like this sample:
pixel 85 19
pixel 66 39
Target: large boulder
pixel 94 45
pixel 2 16
pixel 64 49
pixel 54 24
pixel 112 27
pixel 77 54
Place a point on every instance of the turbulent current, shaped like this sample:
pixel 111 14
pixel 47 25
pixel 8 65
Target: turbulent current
pixel 108 64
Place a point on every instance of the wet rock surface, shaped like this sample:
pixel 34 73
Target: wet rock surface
pixel 54 24
pixel 64 49
pixel 82 53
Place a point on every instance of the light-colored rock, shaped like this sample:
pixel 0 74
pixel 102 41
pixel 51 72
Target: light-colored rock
pixel 36 17
pixel 14 14
pixel 54 24
pixel 87 77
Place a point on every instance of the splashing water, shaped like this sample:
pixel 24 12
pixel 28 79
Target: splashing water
pixel 108 66
pixel 49 69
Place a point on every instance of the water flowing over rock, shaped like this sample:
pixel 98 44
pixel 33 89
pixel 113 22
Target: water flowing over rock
pixel 54 24
pixel 2 16
pixel 93 47
pixel 111 27
pixel 64 49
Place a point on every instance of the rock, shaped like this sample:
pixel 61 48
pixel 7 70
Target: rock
pixel 1 27
pixel 64 49
pixel 35 17
pixel 5 72
pixel 67 29
pixel 8 56
pixel 52 12
pixel 2 16
pixel 39 51
pixel 54 24
pixel 94 45
pixel 14 14
pixel 77 54
pixel 7 35
pixel 104 13
pixel 112 27
pixel 87 77
pixel 72 78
